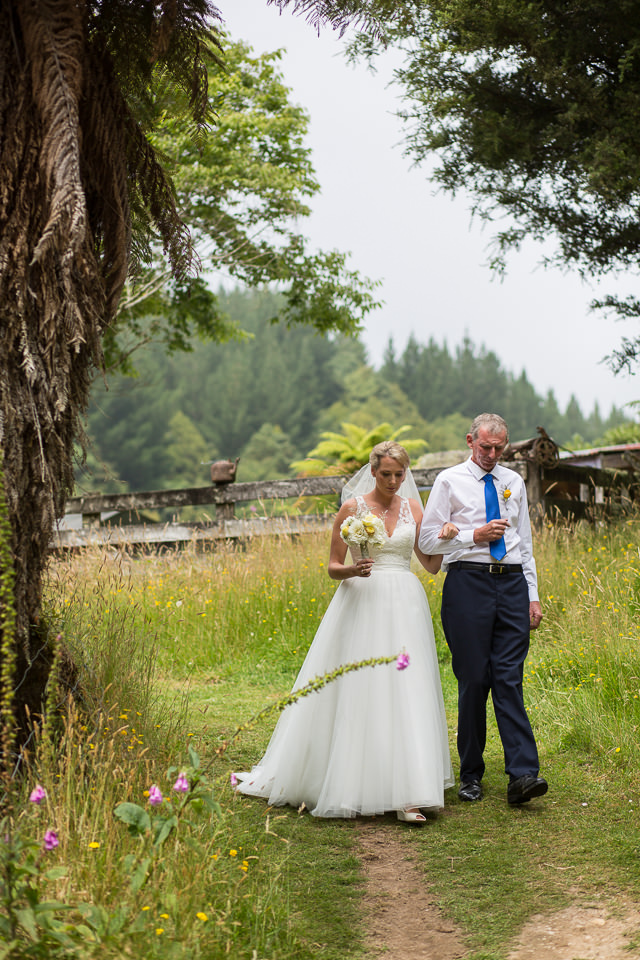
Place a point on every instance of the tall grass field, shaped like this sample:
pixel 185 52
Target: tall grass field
pixel 173 652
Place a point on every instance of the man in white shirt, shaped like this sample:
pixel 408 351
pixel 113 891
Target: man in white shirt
pixel 489 604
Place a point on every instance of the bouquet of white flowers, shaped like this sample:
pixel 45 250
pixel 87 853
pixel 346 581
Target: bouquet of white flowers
pixel 363 532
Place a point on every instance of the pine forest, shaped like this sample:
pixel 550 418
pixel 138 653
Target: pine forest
pixel 267 397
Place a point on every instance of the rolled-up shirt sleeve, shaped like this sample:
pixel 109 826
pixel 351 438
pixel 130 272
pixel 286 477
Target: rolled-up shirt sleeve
pixel 458 497
pixel 526 549
pixel 437 512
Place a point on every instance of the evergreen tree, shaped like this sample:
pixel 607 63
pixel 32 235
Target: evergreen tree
pixel 267 455
pixel 129 417
pixel 594 423
pixel 523 408
pixel 368 398
pixel 574 422
pixel 185 453
pixel 448 433
pixel 389 360
pixel 425 374
pixel 481 382
pixel 551 417
pixel 278 376
pixel 302 383
pixel 617 418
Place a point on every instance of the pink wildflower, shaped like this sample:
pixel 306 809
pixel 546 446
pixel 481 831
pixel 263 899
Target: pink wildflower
pixel 233 780
pixel 155 796
pixel 182 784
pixel 403 661
pixel 51 840
pixel 38 794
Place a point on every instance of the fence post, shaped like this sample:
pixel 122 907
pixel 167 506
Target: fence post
pixel 225 511
pixel 90 520
pixel 533 483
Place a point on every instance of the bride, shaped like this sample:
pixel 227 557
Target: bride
pixel 373 740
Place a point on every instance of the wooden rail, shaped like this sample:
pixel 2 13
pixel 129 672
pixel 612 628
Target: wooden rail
pixel 567 490
pixel 224 524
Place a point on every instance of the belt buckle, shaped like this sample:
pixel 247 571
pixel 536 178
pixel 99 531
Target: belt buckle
pixel 497 568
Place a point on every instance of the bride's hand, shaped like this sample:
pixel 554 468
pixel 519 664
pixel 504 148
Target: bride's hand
pixel 448 532
pixel 363 567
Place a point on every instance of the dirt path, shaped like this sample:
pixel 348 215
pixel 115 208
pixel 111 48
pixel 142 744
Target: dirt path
pixel 405 924
pixel 602 931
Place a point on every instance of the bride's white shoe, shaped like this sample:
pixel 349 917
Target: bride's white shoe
pixel 411 816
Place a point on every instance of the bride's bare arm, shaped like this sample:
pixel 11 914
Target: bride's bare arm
pixel 338 569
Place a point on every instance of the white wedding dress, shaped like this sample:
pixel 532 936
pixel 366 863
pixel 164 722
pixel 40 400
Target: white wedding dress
pixel 374 740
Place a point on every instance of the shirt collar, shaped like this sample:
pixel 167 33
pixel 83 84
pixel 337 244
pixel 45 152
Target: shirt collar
pixel 477 470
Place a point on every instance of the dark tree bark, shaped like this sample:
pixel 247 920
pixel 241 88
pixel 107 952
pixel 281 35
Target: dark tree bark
pixel 78 180
pixel 73 164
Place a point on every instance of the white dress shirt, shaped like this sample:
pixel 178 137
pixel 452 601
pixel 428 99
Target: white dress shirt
pixel 458 496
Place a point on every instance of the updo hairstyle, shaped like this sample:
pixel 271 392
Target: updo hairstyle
pixel 389 448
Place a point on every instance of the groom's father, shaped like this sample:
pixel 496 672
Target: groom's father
pixel 489 604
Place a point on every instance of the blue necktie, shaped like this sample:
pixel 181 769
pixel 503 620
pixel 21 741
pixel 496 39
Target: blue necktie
pixel 497 548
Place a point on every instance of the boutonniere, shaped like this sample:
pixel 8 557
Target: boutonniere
pixel 506 493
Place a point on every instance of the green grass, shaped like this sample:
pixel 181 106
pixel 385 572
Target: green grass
pixel 182 648
pixel 492 866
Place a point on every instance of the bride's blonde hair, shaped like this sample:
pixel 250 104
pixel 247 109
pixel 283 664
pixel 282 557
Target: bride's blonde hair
pixel 389 448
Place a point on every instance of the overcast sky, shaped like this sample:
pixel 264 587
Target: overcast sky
pixel 424 248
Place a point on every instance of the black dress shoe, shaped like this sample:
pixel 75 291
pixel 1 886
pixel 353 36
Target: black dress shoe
pixel 526 788
pixel 471 790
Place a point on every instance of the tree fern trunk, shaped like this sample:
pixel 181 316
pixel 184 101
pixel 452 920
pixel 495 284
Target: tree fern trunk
pixel 51 301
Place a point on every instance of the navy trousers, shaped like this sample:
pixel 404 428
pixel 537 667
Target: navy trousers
pixel 486 624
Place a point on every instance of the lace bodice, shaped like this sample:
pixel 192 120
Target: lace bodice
pixel 396 552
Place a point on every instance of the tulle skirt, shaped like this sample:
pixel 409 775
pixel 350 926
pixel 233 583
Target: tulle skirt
pixel 374 740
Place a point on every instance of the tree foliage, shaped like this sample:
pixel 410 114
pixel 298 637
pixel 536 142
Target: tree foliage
pixel 78 178
pixel 532 107
pixel 624 433
pixel 368 398
pixel 338 14
pixel 444 383
pixel 243 191
pixel 267 454
pixel 348 450
pixel 277 376
pixel 86 200
pixel 269 398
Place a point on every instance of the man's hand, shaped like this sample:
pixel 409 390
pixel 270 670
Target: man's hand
pixel 491 531
pixel 535 614
pixel 448 532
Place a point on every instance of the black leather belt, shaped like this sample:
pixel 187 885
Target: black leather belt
pixel 495 568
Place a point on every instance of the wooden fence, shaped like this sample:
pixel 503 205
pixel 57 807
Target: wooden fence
pixel 223 498
pixel 566 490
